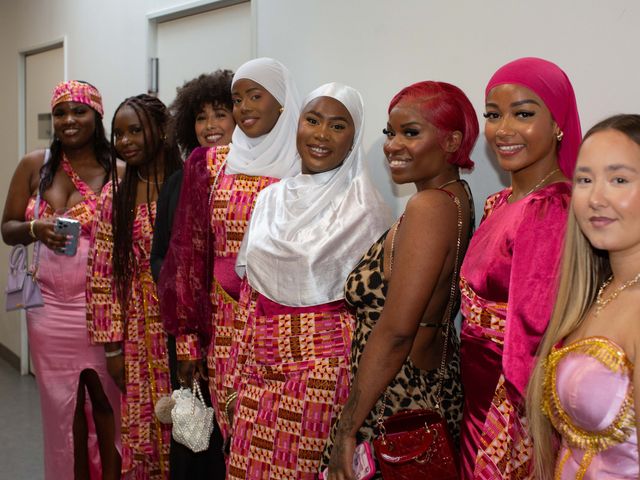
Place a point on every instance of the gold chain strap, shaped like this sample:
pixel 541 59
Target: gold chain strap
pixel 447 327
pixel 452 296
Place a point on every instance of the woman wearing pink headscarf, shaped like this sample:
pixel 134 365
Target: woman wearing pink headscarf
pixel 508 277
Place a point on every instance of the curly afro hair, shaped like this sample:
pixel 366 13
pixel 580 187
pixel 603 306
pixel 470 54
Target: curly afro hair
pixel 213 88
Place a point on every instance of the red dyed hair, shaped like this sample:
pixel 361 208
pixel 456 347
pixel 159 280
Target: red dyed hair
pixel 448 109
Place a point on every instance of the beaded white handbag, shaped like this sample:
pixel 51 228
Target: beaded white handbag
pixel 192 419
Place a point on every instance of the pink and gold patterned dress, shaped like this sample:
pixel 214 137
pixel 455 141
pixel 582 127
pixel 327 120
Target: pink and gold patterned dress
pixel 230 210
pixel 588 396
pixel 508 283
pixel 294 376
pixel 59 343
pixel 145 441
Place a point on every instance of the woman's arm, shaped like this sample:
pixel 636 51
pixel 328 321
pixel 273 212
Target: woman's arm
pixel 537 247
pixel 15 229
pixel 424 244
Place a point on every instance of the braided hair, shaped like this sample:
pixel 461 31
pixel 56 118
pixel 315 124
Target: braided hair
pixel 101 149
pixel 154 117
pixel 212 88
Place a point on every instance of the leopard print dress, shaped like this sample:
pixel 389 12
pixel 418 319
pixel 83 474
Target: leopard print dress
pixel 412 388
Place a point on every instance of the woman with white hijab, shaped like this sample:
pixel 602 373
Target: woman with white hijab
pixel 306 234
pixel 198 286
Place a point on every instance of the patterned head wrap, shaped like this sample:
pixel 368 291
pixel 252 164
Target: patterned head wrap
pixel 80 92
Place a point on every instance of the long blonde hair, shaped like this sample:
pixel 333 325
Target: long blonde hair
pixel 583 270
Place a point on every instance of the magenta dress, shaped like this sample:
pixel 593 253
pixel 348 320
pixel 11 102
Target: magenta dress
pixel 507 282
pixel 59 342
pixel 589 399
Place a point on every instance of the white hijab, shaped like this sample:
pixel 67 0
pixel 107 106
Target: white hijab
pixel 308 232
pixel 272 154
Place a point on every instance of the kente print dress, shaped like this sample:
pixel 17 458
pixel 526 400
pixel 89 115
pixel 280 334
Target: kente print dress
pixel 294 380
pixel 145 441
pixel 508 283
pixel 230 208
pixel 588 397
pixel 59 342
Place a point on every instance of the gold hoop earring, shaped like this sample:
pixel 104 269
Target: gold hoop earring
pixel 560 136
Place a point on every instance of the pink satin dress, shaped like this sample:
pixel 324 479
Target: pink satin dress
pixel 589 400
pixel 507 284
pixel 59 342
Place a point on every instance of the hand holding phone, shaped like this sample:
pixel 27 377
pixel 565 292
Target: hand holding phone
pixel 70 228
pixel 364 466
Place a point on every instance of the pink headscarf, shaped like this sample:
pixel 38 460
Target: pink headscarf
pixel 552 85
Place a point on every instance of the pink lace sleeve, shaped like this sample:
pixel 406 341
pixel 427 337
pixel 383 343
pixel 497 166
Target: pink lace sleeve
pixel 104 315
pixel 185 280
pixel 532 286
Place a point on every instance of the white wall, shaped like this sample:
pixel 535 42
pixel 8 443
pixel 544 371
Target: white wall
pixel 380 46
pixel 377 46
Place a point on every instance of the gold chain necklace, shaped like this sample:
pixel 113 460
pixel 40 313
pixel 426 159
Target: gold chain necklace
pixel 600 303
pixel 539 184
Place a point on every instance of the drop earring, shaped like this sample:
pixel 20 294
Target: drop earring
pixel 560 136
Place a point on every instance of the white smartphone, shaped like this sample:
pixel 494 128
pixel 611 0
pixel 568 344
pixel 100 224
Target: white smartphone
pixel 69 228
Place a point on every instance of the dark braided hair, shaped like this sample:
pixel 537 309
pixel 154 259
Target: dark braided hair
pixel 101 149
pixel 155 120
pixel 213 88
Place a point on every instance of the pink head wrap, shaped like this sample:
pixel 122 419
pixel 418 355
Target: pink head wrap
pixel 80 92
pixel 552 85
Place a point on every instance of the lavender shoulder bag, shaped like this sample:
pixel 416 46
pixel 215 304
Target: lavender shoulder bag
pixel 23 291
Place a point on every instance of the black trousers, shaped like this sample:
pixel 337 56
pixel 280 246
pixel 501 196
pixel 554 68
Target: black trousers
pixel 185 464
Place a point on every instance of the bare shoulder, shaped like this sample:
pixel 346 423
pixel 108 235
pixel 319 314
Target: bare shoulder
pixel 431 205
pixel 120 168
pixel 32 160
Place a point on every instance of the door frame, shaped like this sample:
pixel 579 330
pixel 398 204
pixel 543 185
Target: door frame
pixel 185 10
pixel 60 42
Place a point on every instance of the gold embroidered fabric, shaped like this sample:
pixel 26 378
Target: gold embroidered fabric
pixel 592 442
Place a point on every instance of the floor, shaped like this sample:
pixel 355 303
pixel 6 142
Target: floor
pixel 20 426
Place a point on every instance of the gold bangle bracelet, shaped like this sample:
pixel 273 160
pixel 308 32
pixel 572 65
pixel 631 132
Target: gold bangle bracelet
pixel 31 230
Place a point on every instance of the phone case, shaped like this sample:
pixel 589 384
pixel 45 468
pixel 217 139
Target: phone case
pixel 364 466
pixel 69 227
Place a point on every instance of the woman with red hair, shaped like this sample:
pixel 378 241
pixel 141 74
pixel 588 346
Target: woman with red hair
pixel 403 319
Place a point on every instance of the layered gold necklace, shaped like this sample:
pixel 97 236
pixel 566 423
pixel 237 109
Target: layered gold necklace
pixel 601 303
